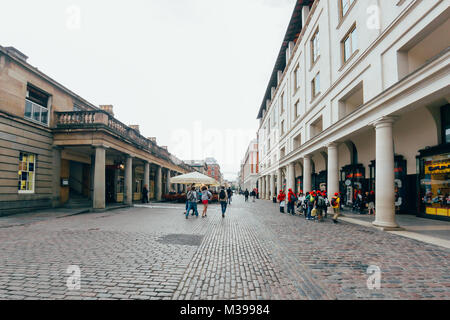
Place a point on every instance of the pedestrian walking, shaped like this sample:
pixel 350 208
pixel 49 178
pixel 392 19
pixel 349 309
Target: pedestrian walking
pixel 230 195
pixel 292 198
pixel 371 205
pixel 145 194
pixel 187 199
pixel 192 198
pixel 223 199
pixel 206 196
pixel 336 204
pixel 246 194
pixel 282 200
pixel 310 201
pixel 320 206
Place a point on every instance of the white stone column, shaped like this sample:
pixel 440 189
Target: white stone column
pixel 158 183
pixel 263 191
pixel 384 174
pixel 290 181
pixel 279 180
pixel 272 186
pixel 332 172
pixel 147 176
pixel 128 188
pixel 307 174
pixel 100 178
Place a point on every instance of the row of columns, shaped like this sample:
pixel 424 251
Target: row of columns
pixel 99 200
pixel 385 185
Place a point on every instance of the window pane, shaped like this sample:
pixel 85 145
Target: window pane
pixel 36 113
pixel 28 109
pixel 347 49
pixel 354 40
pixel 44 116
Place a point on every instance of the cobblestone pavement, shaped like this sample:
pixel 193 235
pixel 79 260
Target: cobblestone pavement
pixel 153 252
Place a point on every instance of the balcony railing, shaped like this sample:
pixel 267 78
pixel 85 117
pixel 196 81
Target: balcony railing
pixel 100 118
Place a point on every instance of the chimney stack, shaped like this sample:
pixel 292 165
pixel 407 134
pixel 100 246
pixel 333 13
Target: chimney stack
pixel 153 139
pixel 135 127
pixel 108 108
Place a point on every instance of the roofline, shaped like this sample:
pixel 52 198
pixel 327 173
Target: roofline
pixel 284 45
pixel 39 73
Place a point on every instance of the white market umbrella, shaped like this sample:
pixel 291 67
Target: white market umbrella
pixel 195 178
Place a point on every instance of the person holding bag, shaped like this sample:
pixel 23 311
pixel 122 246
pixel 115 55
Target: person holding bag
pixel 282 200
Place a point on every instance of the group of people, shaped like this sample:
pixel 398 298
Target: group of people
pixel 253 194
pixel 314 205
pixel 205 196
pixel 361 201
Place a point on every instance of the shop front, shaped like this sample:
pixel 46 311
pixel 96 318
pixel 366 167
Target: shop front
pixel 319 181
pixel 352 181
pixel 404 186
pixel 299 184
pixel 434 182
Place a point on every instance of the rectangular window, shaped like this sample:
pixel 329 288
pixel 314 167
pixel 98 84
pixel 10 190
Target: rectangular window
pixel 345 6
pixel 315 47
pixel 282 127
pixel 36 105
pixel 27 169
pixel 282 103
pixel 349 44
pixel 315 85
pixel 297 78
pixel 297 110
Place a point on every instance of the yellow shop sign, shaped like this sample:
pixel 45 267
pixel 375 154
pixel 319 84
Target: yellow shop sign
pixel 438 167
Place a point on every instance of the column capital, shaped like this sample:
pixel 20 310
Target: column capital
pixel 307 156
pixel 100 146
pixel 386 121
pixel 332 145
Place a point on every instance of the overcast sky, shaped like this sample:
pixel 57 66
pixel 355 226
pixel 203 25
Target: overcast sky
pixel 191 73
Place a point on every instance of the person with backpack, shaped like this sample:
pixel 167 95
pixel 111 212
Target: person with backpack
pixel 230 195
pixel 206 196
pixel 282 200
pixel 310 201
pixel 292 198
pixel 223 199
pixel 321 206
pixel 246 194
pixel 336 204
pixel 192 202
pixel 301 203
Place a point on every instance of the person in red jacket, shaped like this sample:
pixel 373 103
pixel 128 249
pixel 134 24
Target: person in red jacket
pixel 292 198
pixel 282 200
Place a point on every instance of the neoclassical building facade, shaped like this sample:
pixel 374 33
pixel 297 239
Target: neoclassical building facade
pixel 55 146
pixel 359 101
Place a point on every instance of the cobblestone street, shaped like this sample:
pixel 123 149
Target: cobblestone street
pixel 153 252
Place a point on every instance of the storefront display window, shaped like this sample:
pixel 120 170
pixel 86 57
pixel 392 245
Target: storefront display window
pixel 435 185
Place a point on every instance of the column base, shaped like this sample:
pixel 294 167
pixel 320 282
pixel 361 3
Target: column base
pixel 387 226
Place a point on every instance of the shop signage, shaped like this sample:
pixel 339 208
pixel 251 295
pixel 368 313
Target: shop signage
pixel 436 168
pixel 354 175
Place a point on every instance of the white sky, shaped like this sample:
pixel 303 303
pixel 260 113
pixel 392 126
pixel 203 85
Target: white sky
pixel 191 73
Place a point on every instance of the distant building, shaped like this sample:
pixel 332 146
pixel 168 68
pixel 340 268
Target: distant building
pixel 214 169
pixel 198 165
pixel 249 167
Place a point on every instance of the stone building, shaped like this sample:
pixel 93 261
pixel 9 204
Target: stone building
pixel 359 101
pixel 249 168
pixel 56 147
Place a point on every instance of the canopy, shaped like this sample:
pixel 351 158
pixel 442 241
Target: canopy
pixel 194 178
